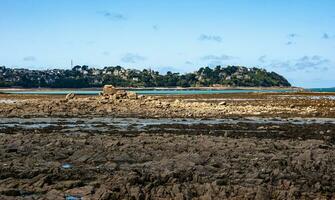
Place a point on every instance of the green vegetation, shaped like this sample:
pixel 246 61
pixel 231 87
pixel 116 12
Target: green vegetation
pixel 85 77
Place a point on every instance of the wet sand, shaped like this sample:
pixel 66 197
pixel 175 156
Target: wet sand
pixel 231 146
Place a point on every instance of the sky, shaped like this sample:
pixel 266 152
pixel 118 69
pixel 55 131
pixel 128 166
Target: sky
pixel 295 38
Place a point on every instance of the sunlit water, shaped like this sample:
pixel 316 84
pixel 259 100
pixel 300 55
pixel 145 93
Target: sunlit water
pixel 160 91
pixel 143 92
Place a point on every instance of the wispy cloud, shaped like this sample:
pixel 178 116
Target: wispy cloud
pixel 105 53
pixel 132 58
pixel 217 59
pixel 29 58
pixel 292 35
pixel 262 59
pixel 325 36
pixel 189 63
pixel 214 38
pixel 289 43
pixel 305 63
pixel 310 62
pixel 281 64
pixel 112 15
pixel 155 27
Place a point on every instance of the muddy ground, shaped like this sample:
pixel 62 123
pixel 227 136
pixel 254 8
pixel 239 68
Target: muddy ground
pixel 275 158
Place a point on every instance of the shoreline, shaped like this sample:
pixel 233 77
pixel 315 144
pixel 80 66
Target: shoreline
pixel 156 88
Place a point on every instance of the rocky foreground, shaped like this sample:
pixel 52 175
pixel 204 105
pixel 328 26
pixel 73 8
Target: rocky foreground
pixel 275 159
pixel 164 166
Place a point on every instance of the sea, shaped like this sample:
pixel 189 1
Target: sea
pixel 159 91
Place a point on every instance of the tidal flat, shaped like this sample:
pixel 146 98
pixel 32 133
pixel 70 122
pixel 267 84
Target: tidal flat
pixel 217 146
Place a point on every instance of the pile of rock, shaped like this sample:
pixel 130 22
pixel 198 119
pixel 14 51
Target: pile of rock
pixel 110 92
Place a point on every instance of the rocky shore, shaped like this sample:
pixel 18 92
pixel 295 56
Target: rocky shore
pixel 196 106
pixel 49 165
pixel 267 146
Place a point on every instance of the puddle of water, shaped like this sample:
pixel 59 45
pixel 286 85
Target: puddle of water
pixel 73 198
pixel 66 166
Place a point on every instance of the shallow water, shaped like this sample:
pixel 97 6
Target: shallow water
pixel 322 89
pixel 144 92
pixel 103 124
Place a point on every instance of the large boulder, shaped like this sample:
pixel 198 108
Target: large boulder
pixel 109 90
pixel 70 96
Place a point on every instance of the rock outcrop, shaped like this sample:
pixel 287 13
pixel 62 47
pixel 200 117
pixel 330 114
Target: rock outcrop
pixel 110 92
pixel 70 96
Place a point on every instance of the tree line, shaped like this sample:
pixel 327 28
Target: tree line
pixel 86 77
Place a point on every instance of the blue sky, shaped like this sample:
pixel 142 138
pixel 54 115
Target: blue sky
pixel 295 38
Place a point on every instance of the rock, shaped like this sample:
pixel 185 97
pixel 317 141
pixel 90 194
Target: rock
pixel 135 193
pixel 109 90
pixel 103 101
pixel 120 94
pixel 131 95
pixel 262 194
pixel 68 184
pixel 222 181
pixel 70 96
pixel 81 191
pixel 223 103
pixel 305 157
pixel 226 134
pixel 10 192
pixel 102 194
pixel 54 194
pixel 12 148
pixel 178 102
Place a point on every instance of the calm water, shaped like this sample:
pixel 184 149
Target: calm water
pixel 160 91
pixel 145 92
pixel 323 89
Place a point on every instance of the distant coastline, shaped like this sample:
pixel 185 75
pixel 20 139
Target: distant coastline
pixel 152 88
pixel 86 77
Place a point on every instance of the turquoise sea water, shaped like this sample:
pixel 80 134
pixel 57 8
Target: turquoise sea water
pixel 142 92
pixel 323 89
pixel 158 92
